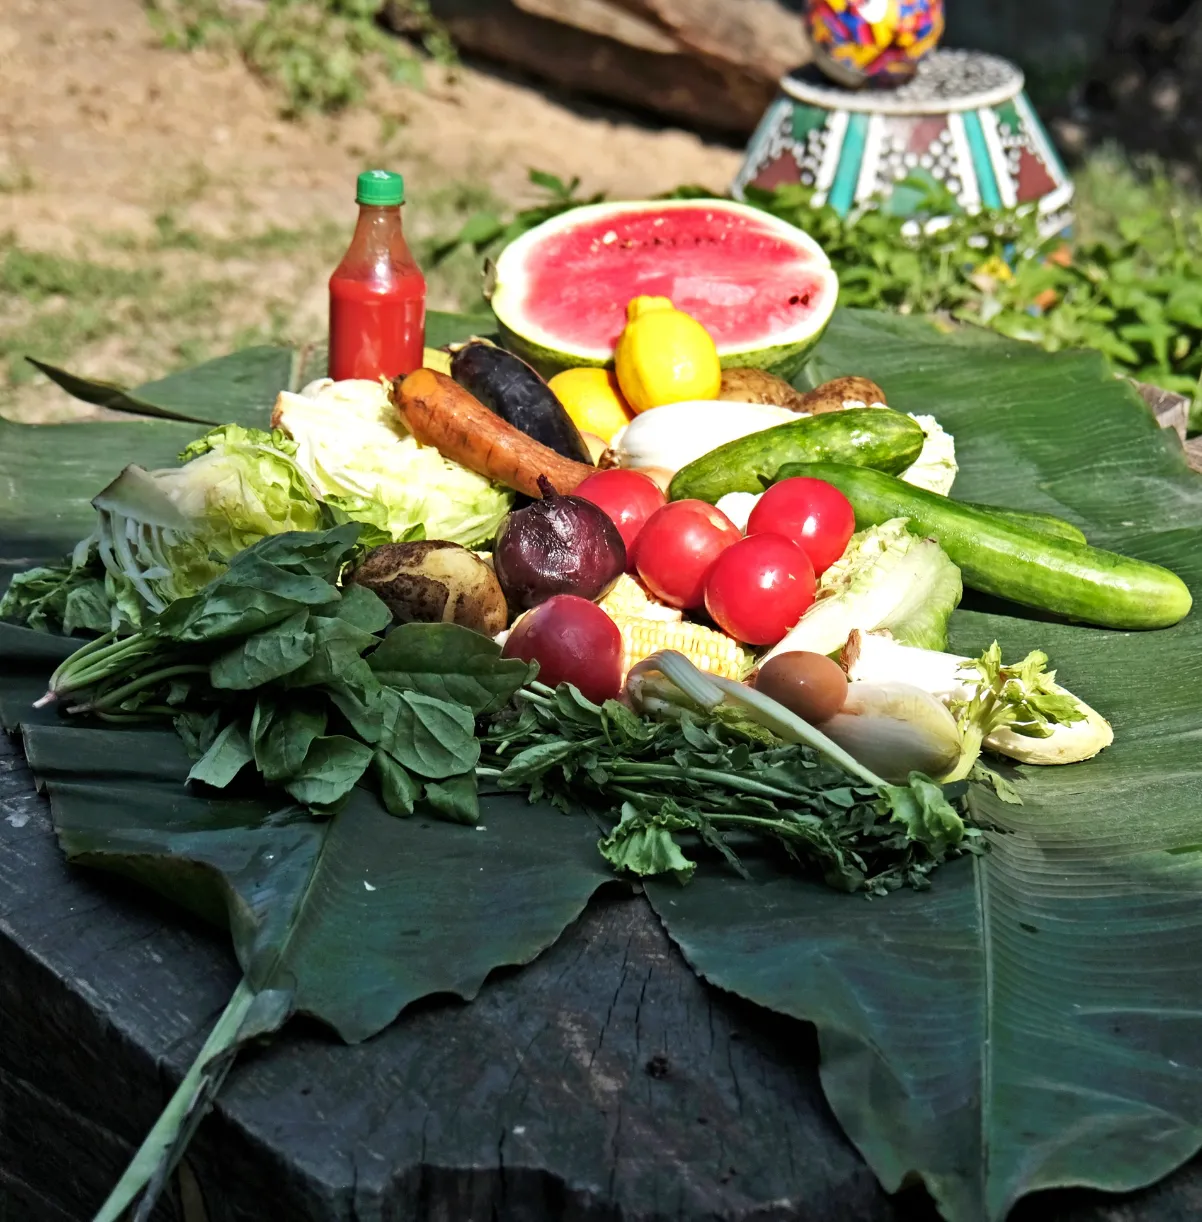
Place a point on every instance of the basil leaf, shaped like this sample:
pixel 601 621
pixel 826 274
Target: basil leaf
pixel 360 607
pixel 281 735
pixel 330 770
pixel 398 789
pixel 455 799
pixel 267 655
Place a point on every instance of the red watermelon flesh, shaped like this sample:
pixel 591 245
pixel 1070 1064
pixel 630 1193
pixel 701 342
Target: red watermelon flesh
pixel 737 277
pixel 753 281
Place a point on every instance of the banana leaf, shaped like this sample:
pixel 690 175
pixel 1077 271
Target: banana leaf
pixel 50 473
pixel 235 389
pixel 1032 1020
pixel 239 388
pixel 347 920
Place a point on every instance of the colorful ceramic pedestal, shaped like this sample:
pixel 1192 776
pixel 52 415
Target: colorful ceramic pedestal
pixel 963 122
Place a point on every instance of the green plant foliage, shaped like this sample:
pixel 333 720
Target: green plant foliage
pixel 1132 289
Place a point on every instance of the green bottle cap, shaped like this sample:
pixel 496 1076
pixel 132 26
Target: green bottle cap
pixel 381 188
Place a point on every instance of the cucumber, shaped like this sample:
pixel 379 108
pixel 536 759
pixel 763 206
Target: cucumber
pixel 1010 560
pixel 867 437
pixel 1044 523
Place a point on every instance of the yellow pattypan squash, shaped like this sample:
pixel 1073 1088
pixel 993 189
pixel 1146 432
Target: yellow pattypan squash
pixel 665 356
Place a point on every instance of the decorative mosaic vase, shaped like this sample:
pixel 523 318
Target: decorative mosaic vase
pixel 874 42
pixel 963 123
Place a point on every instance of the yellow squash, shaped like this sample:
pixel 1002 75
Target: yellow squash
pixel 665 356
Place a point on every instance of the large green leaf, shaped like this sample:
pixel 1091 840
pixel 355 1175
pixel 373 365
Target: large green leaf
pixel 354 917
pixel 1031 1022
pixel 239 388
pixel 49 475
pixel 347 920
pixel 235 389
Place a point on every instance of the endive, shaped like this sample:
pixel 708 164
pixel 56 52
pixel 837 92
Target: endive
pixel 887 578
pixel 1031 718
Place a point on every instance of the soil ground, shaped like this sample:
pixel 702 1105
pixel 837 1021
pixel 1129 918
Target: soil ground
pixel 155 209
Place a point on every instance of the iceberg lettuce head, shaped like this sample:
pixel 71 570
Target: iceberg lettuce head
pixel 354 450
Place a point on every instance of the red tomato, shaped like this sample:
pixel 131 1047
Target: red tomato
pixel 811 512
pixel 573 641
pixel 759 588
pixel 677 548
pixel 629 497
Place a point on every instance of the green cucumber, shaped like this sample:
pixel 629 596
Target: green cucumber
pixel 1012 561
pixel 1044 523
pixel 867 437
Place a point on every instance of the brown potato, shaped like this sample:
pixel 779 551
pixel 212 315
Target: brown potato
pixel 756 386
pixel 432 581
pixel 842 393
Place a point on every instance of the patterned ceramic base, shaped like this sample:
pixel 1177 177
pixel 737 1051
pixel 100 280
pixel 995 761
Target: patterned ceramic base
pixel 963 123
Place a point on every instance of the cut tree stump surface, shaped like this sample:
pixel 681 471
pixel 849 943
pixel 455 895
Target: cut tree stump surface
pixel 603 1083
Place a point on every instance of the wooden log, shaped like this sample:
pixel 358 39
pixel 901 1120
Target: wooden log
pixel 713 64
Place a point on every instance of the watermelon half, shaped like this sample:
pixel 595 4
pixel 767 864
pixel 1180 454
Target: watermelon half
pixel 764 289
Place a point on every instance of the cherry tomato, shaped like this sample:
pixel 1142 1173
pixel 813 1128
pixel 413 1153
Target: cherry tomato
pixel 629 497
pixel 677 548
pixel 573 641
pixel 811 512
pixel 759 588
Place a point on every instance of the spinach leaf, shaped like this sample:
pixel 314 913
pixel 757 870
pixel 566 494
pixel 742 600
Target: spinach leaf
pixel 450 662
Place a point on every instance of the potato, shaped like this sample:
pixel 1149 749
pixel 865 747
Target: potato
pixel 432 581
pixel 756 386
pixel 842 393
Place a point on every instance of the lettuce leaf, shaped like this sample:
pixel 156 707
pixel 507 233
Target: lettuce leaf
pixel 163 535
pixel 886 579
pixel 355 452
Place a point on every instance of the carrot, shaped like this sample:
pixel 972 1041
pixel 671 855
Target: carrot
pixel 440 413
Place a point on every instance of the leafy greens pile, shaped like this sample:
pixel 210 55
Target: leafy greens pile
pixel 274 665
pixel 162 535
pixel 339 455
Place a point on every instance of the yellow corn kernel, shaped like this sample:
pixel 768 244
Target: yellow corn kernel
pixel 630 597
pixel 708 650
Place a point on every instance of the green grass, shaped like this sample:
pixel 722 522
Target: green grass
pixel 60 305
pixel 320 55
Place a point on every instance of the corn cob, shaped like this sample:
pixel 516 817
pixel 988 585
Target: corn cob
pixel 708 650
pixel 629 597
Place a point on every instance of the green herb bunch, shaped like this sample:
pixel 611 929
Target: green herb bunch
pixel 273 665
pixel 722 784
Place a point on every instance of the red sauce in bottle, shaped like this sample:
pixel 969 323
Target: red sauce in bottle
pixel 377 292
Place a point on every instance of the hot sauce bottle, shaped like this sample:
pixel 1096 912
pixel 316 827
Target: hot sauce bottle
pixel 377 292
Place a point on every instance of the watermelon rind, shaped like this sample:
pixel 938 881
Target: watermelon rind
pixel 783 355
